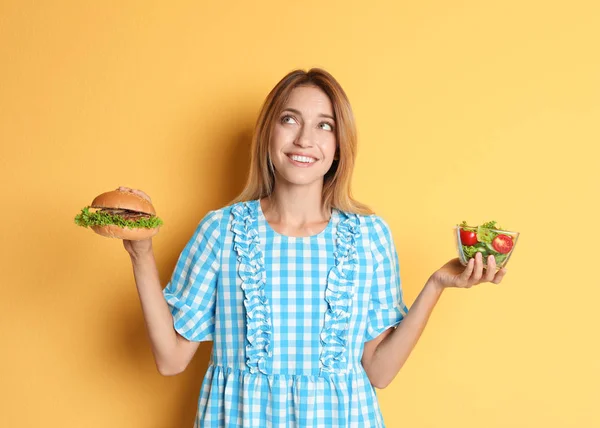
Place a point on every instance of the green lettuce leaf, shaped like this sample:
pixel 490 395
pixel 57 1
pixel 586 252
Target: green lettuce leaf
pixel 500 257
pixel 85 219
pixel 484 232
pixel 464 226
pixel 469 251
pixel 491 225
pixel 485 235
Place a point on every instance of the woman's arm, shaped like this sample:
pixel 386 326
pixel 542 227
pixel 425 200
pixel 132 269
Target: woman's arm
pixel 384 356
pixel 172 352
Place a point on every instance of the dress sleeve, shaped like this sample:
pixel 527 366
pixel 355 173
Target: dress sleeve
pixel 386 304
pixel 191 292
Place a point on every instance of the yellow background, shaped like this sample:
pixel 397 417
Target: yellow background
pixel 466 110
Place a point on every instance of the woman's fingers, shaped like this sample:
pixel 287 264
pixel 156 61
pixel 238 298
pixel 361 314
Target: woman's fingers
pixel 464 277
pixel 490 270
pixel 478 271
pixel 473 272
pixel 499 275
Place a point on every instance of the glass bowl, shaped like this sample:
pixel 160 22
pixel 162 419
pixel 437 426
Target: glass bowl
pixel 500 246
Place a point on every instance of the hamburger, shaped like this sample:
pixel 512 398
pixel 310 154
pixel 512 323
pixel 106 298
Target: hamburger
pixel 120 214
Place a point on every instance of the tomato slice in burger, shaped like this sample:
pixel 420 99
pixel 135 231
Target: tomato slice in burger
pixel 502 243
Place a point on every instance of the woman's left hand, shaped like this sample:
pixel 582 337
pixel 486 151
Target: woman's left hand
pixel 454 274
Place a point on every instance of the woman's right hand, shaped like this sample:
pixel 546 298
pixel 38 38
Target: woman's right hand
pixel 141 247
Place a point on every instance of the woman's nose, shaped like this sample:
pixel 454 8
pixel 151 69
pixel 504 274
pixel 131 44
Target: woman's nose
pixel 304 137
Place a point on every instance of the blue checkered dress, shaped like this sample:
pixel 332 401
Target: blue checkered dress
pixel 288 317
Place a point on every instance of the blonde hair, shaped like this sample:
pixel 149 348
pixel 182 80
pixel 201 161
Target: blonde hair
pixel 337 181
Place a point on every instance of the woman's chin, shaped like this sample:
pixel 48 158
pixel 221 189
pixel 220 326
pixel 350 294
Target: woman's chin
pixel 298 179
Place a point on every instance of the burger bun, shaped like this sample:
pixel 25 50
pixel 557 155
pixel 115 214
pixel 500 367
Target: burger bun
pixel 123 200
pixel 114 231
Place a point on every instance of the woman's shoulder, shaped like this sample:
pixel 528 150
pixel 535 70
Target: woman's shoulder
pixel 224 214
pixel 373 222
pixel 215 222
pixel 375 227
pixel 371 226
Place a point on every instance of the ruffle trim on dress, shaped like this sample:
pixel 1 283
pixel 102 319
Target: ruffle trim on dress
pixel 252 272
pixel 339 294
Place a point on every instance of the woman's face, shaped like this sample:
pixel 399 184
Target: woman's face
pixel 303 142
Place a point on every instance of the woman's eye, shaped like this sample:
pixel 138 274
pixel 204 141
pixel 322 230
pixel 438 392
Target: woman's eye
pixel 288 119
pixel 327 126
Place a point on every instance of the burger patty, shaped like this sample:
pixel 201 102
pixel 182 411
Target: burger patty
pixel 126 214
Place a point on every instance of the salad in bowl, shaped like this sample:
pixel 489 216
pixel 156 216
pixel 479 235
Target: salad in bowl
pixel 487 239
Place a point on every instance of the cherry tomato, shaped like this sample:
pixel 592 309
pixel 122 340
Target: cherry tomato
pixel 468 237
pixel 502 243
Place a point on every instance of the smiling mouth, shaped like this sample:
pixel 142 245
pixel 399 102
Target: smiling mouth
pixel 302 159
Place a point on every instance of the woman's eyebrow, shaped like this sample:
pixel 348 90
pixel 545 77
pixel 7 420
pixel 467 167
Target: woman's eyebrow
pixel 293 110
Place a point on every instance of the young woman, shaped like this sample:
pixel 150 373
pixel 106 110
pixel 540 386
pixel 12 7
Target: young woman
pixel 295 282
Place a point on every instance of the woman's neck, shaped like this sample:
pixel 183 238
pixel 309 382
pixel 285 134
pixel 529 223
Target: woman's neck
pixel 295 206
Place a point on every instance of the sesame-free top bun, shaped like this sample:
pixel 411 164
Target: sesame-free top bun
pixel 123 200
pixel 114 231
